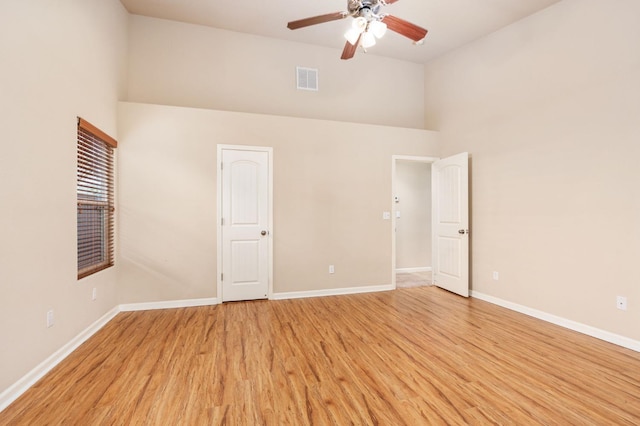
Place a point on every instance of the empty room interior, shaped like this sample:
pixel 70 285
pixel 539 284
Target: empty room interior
pixel 433 229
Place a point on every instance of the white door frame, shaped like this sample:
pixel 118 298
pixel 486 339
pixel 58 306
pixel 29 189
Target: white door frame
pixel 394 160
pixel 269 151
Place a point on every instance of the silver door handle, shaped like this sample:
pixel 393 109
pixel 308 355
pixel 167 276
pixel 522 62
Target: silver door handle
pixel 463 231
pixel 263 233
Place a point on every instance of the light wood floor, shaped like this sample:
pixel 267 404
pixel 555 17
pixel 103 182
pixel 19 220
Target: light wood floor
pixel 412 356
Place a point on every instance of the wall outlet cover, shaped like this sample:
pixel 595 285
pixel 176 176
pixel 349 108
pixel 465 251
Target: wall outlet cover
pixel 621 303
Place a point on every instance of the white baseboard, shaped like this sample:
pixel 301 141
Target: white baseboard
pixel 18 388
pixel 169 304
pixel 330 292
pixel 419 269
pixel 607 336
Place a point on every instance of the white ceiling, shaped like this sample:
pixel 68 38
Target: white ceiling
pixel 451 23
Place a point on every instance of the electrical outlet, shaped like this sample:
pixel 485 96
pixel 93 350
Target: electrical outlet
pixel 621 303
pixel 332 269
pixel 94 294
pixel 50 318
pixel 496 276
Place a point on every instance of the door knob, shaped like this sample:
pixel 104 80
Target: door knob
pixel 463 231
pixel 263 233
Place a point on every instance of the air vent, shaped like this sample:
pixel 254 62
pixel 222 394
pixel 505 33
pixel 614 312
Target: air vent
pixel 307 78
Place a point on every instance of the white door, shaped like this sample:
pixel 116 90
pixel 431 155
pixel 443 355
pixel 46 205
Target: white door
pixel 450 188
pixel 245 224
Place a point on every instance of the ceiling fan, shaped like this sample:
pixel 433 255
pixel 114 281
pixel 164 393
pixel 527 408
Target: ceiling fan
pixel 368 24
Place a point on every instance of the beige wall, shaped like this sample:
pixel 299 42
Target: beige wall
pixel 59 60
pixel 189 65
pixel 413 227
pixel 332 181
pixel 548 109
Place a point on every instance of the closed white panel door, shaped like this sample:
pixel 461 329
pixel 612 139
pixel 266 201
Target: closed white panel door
pixel 450 187
pixel 245 219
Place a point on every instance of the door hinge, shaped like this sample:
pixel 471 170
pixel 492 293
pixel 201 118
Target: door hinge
pixel 221 277
pixel 222 221
pixel 221 166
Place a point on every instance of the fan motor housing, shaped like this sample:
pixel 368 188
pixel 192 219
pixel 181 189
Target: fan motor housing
pixel 364 7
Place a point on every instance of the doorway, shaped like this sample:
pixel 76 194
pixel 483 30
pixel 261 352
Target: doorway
pixel 449 218
pixel 411 217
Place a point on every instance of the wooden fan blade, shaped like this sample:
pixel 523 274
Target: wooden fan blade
pixel 350 49
pixel 294 25
pixel 404 28
pixel 390 1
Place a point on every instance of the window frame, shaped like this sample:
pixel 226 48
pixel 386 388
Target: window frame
pixel 95 199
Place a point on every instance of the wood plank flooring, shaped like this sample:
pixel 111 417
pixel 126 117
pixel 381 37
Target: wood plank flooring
pixel 413 356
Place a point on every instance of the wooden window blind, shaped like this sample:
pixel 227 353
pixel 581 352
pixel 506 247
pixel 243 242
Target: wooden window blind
pixel 95 199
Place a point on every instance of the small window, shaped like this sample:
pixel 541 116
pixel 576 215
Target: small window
pixel 95 199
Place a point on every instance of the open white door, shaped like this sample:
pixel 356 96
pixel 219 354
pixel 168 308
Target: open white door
pixel 245 205
pixel 450 208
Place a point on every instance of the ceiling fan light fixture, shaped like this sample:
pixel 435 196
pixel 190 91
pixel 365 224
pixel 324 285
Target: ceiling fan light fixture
pixel 352 35
pixel 359 24
pixel 378 28
pixel 368 40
